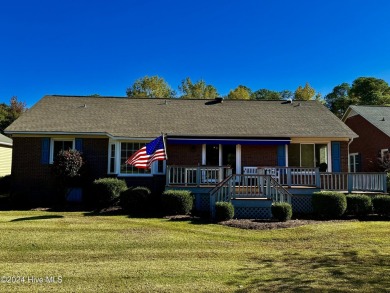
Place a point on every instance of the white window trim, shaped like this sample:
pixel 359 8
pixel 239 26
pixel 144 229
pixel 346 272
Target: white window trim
pixel 349 160
pixel 328 153
pixel 52 140
pixel 118 146
pixel 383 151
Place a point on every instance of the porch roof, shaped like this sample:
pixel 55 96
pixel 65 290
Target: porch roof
pixel 148 118
pixel 229 141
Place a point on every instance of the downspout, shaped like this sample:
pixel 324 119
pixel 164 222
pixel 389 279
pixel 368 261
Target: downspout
pixel 349 159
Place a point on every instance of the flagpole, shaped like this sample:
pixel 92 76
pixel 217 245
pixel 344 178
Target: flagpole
pixel 165 146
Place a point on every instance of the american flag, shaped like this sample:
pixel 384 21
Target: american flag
pixel 152 151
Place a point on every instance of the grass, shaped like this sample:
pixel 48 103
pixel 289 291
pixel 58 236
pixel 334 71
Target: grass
pixel 119 254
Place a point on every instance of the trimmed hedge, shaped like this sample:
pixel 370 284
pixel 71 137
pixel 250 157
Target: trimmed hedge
pixel 177 202
pixel 381 204
pixel 329 204
pixel 136 201
pixel 359 204
pixel 224 211
pixel 108 190
pixel 282 211
pixel 5 184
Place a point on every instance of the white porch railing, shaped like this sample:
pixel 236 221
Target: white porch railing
pixel 338 181
pixel 354 181
pixel 293 176
pixel 196 175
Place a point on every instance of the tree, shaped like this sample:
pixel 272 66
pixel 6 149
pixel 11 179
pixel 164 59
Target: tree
pixel 264 94
pixel 9 113
pixel 339 100
pixel 370 91
pixel 286 94
pixel 198 90
pixel 150 87
pixel 305 93
pixel 240 93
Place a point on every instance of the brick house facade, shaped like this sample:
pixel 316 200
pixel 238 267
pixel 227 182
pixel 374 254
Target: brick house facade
pixel 369 122
pixel 109 130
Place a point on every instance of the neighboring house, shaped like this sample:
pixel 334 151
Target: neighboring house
pixel 5 155
pixel 372 124
pixel 108 130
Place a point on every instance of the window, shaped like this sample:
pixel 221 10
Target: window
pixel 384 153
pixel 60 144
pixel 127 150
pixel 307 155
pixel 354 162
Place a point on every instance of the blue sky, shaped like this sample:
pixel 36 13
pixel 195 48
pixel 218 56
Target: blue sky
pixel 80 47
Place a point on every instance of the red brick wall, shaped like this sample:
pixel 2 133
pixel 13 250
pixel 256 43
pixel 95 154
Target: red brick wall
pixel 29 175
pixel 184 154
pixel 369 143
pixel 259 155
pixel 344 156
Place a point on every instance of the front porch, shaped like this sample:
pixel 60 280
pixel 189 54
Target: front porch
pixel 294 179
pixel 253 192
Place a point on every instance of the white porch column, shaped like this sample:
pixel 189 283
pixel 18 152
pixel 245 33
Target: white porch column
pixel 238 159
pixel 220 155
pixel 286 152
pixel 203 154
pixel 329 150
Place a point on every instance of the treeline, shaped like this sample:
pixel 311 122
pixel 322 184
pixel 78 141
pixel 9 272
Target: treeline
pixel 9 113
pixel 157 87
pixel 362 91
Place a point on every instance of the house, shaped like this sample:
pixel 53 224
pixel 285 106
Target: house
pixel 5 155
pixel 372 124
pixel 207 141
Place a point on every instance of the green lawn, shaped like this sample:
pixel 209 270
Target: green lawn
pixel 119 254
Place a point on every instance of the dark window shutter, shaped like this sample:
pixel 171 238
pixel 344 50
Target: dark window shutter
pixel 358 163
pixel 45 151
pixel 79 144
pixel 336 156
pixel 281 155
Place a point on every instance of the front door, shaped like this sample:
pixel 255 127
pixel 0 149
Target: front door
pixel 229 156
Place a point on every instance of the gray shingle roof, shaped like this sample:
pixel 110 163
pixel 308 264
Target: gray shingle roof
pixel 379 116
pixel 147 118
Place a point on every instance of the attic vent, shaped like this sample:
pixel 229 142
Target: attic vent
pixel 219 99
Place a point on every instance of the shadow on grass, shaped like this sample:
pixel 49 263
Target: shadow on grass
pixel 37 218
pixel 295 272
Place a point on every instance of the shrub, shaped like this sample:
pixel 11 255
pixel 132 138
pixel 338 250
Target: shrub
pixel 381 204
pixel 5 184
pixel 329 204
pixel 224 211
pixel 282 211
pixel 136 201
pixel 67 163
pixel 108 190
pixel 177 202
pixel 359 204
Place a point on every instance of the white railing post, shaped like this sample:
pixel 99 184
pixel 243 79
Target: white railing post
pixel 350 182
pixel 168 178
pixel 384 182
pixel 317 178
pixel 289 181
